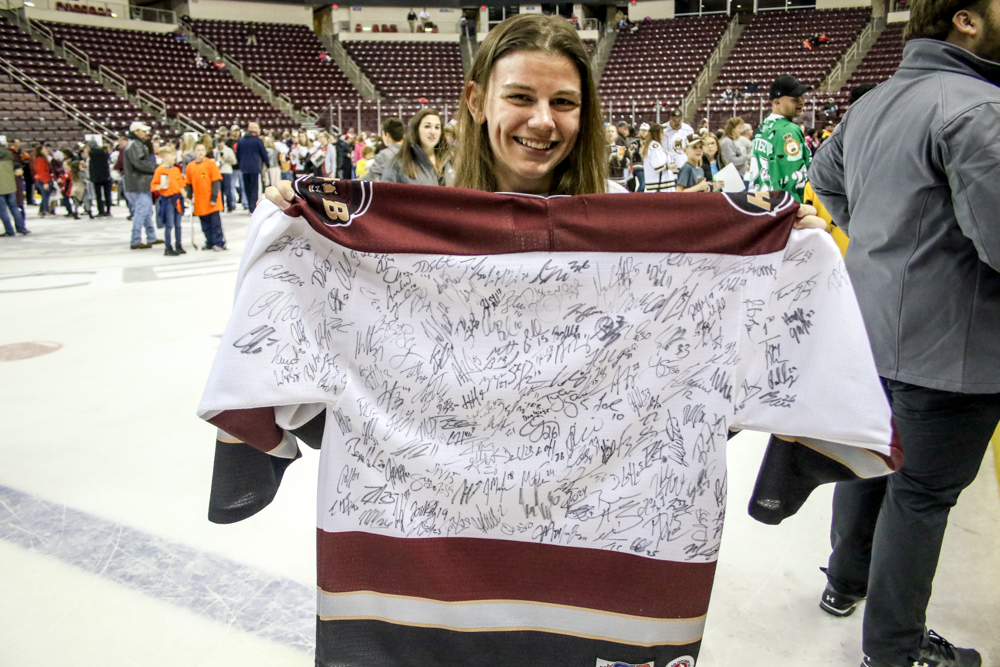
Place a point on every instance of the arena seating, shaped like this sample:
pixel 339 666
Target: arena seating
pixel 54 73
pixel 285 56
pixel 411 70
pixel 771 46
pixel 166 69
pixel 881 61
pixel 657 63
pixel 26 117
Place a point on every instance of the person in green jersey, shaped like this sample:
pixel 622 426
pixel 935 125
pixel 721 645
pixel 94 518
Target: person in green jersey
pixel 780 157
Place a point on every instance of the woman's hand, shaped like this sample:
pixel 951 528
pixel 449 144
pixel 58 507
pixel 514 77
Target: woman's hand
pixel 808 218
pixel 283 195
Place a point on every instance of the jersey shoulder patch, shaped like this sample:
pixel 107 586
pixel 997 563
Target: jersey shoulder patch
pixel 341 201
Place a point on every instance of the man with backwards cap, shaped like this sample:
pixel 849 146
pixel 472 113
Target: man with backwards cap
pixel 780 158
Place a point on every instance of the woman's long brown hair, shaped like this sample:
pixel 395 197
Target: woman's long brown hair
pixel 584 171
pixel 411 142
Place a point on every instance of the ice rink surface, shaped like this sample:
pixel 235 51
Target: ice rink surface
pixel 106 555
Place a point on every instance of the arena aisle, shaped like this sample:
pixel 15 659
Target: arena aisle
pixel 107 555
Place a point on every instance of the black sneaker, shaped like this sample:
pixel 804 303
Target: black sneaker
pixel 839 604
pixel 170 252
pixel 180 250
pixel 935 651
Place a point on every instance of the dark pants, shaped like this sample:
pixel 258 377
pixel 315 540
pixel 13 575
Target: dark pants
pixel 103 196
pixel 211 227
pixel 251 185
pixel 887 532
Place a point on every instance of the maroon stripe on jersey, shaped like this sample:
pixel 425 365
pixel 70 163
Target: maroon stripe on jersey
pixel 455 569
pixel 395 218
pixel 254 426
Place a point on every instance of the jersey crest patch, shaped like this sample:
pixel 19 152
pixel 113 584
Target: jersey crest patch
pixel 683 661
pixel 341 205
pixel 793 151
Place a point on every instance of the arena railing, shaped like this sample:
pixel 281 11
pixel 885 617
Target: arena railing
pixel 76 56
pixel 58 102
pixel 402 27
pixel 367 115
pixel 113 10
pixel 190 123
pixel 636 110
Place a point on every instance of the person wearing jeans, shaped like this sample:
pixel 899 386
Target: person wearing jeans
pixel 139 167
pixel 43 178
pixel 168 182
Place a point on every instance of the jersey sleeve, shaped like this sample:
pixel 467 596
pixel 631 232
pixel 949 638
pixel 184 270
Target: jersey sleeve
pixel 281 358
pixel 799 334
pixel 656 157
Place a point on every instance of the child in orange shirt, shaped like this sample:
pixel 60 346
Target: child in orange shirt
pixel 204 186
pixel 168 182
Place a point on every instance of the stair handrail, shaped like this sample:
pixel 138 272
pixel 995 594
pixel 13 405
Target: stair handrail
pixel 878 24
pixel 263 84
pixel 713 59
pixel 351 68
pixel 112 79
pixel 191 123
pixel 71 51
pixel 153 101
pixel 55 100
pixel 44 29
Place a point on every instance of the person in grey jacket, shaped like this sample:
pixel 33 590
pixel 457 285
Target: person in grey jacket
pixel 424 156
pixel 392 134
pixel 139 165
pixel 910 175
pixel 8 193
pixel 732 149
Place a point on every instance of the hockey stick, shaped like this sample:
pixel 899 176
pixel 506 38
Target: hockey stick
pixel 190 213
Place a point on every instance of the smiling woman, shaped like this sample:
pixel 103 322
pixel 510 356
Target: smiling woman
pixel 531 120
pixel 424 157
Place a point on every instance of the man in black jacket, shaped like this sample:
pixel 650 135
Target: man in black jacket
pixel 345 166
pixel 100 176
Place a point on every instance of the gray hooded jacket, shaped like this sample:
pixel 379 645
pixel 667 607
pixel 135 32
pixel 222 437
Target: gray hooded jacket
pixel 393 172
pixel 911 175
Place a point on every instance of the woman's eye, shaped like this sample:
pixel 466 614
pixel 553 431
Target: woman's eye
pixel 565 104
pixel 519 98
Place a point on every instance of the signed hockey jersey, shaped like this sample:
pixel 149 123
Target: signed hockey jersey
pixel 527 403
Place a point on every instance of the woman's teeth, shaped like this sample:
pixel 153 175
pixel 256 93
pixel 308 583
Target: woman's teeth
pixel 538 145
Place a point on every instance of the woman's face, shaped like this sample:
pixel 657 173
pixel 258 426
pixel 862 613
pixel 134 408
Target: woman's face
pixel 429 132
pixel 737 131
pixel 643 134
pixel 710 147
pixel 532 111
pixel 611 134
